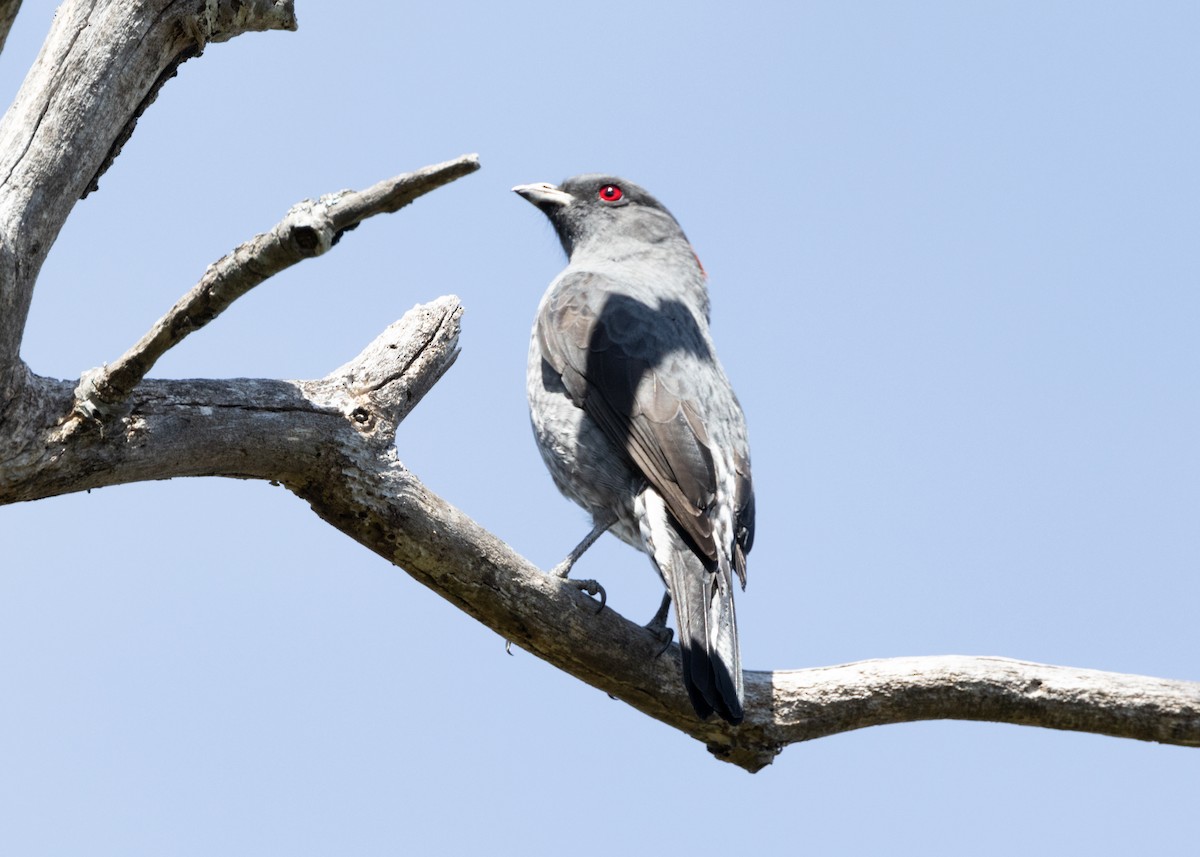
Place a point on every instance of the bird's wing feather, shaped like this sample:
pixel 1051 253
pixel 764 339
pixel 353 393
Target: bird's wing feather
pixel 639 370
pixel 743 499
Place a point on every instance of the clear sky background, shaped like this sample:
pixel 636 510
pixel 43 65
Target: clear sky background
pixel 955 278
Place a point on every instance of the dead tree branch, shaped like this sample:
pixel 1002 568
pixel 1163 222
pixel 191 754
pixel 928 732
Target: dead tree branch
pixel 331 440
pixel 100 66
pixel 309 229
pixel 8 14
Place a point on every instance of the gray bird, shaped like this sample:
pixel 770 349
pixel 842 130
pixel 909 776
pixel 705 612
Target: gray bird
pixel 636 420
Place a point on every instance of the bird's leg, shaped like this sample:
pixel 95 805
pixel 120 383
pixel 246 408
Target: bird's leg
pixel 658 625
pixel 563 569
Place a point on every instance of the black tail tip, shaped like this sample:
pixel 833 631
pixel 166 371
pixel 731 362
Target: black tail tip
pixel 729 710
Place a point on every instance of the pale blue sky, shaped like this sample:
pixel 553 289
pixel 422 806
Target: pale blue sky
pixel 956 282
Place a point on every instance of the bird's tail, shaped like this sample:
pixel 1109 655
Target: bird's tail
pixel 712 664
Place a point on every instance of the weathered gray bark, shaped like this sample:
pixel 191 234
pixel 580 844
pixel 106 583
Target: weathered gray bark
pixel 330 441
pixel 8 14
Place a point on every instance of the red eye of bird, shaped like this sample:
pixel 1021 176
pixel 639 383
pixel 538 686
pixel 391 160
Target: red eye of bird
pixel 611 193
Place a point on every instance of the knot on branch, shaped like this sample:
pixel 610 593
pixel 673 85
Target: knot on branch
pixel 377 389
pixel 307 228
pixel 91 395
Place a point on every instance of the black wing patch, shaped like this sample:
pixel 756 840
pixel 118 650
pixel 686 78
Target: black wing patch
pixel 633 368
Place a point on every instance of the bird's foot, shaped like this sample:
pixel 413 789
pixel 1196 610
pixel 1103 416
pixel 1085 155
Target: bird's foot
pixel 664 635
pixel 563 569
pixel 658 625
pixel 592 588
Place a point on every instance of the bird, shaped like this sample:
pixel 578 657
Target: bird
pixel 636 420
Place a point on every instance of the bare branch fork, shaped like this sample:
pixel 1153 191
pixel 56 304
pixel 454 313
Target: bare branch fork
pixel 309 229
pixel 331 440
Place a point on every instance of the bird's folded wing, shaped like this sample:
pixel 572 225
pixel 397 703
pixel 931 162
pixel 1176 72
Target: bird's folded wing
pixel 643 370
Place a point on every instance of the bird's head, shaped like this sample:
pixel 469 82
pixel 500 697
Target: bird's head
pixel 595 207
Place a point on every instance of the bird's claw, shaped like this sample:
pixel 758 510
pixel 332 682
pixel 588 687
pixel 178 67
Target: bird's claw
pixel 662 633
pixel 592 588
pixel 658 625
